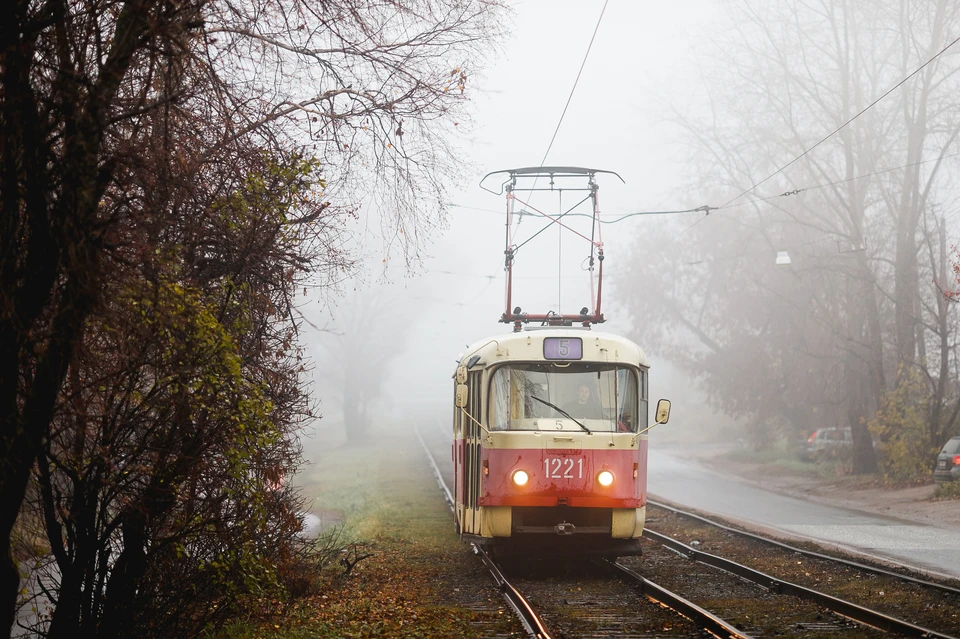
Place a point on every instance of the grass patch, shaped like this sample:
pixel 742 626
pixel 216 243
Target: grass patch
pixel 947 491
pixel 835 470
pixel 784 461
pixel 420 580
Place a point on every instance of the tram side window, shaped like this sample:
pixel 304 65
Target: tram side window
pixel 642 417
pixel 500 400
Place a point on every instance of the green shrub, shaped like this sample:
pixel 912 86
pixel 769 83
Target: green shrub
pixel 949 490
pixel 905 455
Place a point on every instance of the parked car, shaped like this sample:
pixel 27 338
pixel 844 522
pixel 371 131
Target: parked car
pixel 827 443
pixel 948 462
pixel 831 443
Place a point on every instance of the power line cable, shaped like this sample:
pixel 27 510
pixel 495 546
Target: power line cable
pixel 569 97
pixel 699 209
pixel 708 209
pixel 575 82
pixel 814 187
pixel 842 126
pixel 829 135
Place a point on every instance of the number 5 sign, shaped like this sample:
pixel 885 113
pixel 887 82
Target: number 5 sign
pixel 562 348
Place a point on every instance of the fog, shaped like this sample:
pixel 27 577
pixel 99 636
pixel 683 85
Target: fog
pixel 692 104
pixel 634 73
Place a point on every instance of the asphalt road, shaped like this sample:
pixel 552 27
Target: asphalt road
pixel 924 548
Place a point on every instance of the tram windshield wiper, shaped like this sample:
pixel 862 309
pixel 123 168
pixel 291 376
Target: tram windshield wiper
pixel 562 412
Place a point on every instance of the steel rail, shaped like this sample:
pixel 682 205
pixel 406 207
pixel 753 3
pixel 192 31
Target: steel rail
pixel 807 553
pixel 436 470
pixel 531 622
pixel 703 618
pixel 707 620
pixel 773 584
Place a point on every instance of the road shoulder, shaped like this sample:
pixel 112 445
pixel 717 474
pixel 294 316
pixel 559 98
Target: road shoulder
pixel 912 504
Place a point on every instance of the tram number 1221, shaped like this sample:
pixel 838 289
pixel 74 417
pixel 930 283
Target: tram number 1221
pixel 562 468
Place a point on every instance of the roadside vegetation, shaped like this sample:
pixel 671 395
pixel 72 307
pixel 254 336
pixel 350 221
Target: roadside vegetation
pixel 823 291
pixel 176 175
pixel 416 578
pixel 947 491
pixel 785 459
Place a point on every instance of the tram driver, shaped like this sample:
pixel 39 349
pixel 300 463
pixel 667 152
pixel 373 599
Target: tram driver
pixel 586 405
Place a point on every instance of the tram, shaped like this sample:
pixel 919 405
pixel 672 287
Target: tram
pixel 550 425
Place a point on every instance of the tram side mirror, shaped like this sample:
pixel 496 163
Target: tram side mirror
pixel 461 397
pixel 663 411
pixel 461 374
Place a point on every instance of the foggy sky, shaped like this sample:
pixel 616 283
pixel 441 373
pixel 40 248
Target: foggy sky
pixel 642 64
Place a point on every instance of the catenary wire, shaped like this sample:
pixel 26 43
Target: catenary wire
pixel 814 187
pixel 523 212
pixel 570 97
pixel 842 126
pixel 709 209
pixel 829 135
pixel 575 82
pixel 553 138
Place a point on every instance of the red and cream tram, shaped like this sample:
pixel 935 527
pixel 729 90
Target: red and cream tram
pixel 550 430
pixel 536 468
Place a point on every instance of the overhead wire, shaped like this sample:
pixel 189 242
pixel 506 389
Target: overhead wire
pixel 575 82
pixel 553 138
pixel 842 126
pixel 799 190
pixel 707 209
pixel 729 202
pixel 570 96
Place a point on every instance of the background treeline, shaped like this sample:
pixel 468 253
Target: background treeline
pixel 857 331
pixel 174 175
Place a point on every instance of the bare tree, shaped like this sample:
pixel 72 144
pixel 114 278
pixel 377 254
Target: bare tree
pixel 371 326
pixel 370 90
pixel 848 211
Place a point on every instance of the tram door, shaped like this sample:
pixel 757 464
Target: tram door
pixel 457 463
pixel 471 452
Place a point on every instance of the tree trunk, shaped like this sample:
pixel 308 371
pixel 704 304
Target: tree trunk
pixel 906 277
pixel 938 401
pixel 125 579
pixel 860 371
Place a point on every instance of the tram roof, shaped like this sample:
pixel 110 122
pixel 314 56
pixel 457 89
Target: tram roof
pixel 528 345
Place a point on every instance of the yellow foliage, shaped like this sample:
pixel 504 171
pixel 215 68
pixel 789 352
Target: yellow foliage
pixel 904 452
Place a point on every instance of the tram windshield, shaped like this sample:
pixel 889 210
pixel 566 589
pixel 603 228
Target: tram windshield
pixel 569 396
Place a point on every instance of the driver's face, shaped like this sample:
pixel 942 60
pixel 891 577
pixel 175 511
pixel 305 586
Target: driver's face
pixel 584 393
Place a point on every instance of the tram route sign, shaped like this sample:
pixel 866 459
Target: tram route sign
pixel 562 348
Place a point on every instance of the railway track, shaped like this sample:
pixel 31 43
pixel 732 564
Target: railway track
pixel 574 600
pixel 611 619
pixel 884 598
pixel 926 583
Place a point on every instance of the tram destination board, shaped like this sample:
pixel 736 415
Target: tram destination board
pixel 562 348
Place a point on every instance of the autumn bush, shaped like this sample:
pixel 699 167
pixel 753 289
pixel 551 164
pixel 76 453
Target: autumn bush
pixel 176 174
pixel 162 482
pixel 905 452
pixel 947 491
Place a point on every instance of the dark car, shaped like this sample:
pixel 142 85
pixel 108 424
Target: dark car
pixel 948 462
pixel 827 443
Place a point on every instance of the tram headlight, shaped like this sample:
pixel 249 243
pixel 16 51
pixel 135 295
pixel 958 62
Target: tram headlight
pixel 605 478
pixel 520 478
